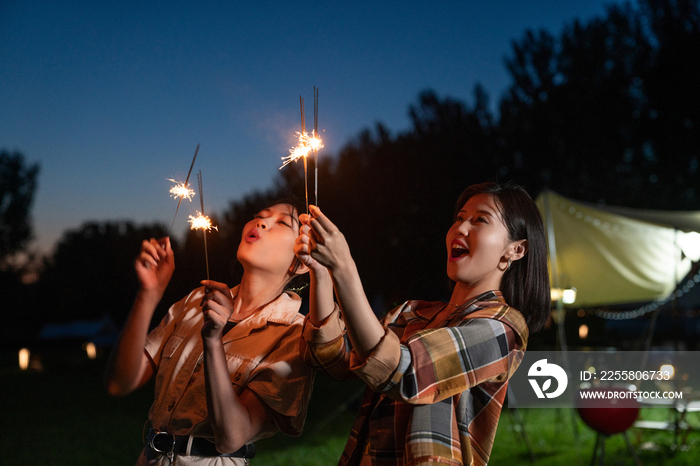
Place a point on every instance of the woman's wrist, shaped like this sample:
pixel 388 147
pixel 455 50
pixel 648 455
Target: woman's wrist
pixel 212 341
pixel 320 274
pixel 150 297
pixel 344 270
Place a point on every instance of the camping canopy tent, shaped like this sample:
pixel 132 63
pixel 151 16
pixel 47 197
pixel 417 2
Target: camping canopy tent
pixel 615 255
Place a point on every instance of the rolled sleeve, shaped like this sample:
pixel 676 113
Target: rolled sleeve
pixel 324 347
pixel 379 367
pixel 442 362
pixel 154 343
pixel 328 331
pixel 157 338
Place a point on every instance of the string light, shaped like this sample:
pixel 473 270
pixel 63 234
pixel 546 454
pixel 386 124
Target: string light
pixel 651 307
pixel 627 229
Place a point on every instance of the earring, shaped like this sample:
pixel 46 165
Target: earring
pixel 509 262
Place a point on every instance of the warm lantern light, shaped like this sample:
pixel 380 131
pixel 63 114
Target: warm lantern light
pixel 90 349
pixel 567 296
pixel 667 369
pixel 24 354
pixel 583 331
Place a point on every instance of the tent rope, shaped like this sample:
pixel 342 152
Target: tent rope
pixel 651 307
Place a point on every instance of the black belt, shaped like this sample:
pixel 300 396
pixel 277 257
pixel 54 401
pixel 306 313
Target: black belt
pixel 165 443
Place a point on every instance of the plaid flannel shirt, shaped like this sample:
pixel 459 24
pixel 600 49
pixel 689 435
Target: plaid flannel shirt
pixel 436 381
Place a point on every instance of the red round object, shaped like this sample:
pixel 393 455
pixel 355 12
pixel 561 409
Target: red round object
pixel 609 415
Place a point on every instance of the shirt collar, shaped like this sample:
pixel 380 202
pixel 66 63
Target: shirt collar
pixel 429 310
pixel 282 310
pixel 494 296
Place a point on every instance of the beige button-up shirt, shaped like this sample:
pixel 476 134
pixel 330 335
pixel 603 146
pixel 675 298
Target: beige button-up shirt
pixel 262 356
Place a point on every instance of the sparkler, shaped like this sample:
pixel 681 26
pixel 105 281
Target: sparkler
pixel 306 153
pixel 306 145
pixel 202 222
pixel 315 133
pixel 182 190
pixel 295 153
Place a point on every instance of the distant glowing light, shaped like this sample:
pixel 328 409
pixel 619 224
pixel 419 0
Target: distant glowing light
pixel 668 369
pixel 583 331
pixel 567 296
pixel 24 354
pixel 90 349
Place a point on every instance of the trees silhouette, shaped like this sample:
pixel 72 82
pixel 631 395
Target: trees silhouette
pixel 17 184
pixel 393 196
pixel 607 111
pixel 91 272
pixel 671 86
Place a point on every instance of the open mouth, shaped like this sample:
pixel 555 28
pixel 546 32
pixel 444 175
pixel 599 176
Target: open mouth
pixel 458 250
pixel 253 235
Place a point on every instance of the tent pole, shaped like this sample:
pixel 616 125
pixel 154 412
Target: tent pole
pixel 560 312
pixel 552 244
pixel 676 282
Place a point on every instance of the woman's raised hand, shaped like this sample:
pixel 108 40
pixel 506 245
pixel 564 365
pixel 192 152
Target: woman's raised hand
pixel 155 264
pixel 325 243
pixel 217 306
pixel 304 242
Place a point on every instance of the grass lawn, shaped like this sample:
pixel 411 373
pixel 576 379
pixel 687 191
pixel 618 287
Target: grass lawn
pixel 62 416
pixel 559 437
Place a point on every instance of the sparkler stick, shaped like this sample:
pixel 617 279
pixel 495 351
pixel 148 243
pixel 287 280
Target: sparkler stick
pixel 202 222
pixel 204 232
pixel 182 190
pixel 306 145
pixel 303 132
pixel 315 150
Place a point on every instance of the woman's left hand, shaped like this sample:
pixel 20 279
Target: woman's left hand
pixel 217 306
pixel 327 245
pixel 305 244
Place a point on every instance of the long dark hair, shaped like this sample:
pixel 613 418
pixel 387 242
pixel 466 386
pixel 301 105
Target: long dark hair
pixel 525 285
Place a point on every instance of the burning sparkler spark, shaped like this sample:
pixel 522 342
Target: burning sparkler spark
pixel 306 145
pixel 314 141
pixel 201 222
pixel 181 190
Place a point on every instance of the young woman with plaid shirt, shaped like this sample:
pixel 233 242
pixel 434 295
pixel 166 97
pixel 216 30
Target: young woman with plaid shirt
pixel 437 373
